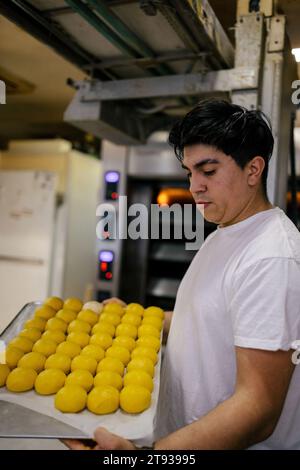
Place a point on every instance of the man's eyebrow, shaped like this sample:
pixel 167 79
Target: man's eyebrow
pixel 202 163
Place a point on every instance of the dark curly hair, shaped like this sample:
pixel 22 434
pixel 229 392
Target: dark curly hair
pixel 230 128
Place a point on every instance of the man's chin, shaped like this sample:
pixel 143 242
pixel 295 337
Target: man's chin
pixel 207 214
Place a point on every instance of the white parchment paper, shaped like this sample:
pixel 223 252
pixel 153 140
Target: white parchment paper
pixel 138 428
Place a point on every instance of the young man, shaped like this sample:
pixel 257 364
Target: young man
pixel 228 379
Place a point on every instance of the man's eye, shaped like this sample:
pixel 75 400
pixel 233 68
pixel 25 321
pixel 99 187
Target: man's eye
pixel 209 173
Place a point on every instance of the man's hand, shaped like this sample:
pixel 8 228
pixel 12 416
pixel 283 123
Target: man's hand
pixel 104 440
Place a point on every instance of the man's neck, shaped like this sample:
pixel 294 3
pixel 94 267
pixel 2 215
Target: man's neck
pixel 260 204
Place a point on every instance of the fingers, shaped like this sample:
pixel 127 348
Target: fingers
pixel 108 441
pixel 114 300
pixel 74 444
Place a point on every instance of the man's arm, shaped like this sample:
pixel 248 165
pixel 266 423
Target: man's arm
pixel 167 324
pixel 250 414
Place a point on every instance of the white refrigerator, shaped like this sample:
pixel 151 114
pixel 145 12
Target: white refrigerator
pixel 27 208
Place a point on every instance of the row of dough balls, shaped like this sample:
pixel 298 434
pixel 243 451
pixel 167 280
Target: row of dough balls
pixel 101 353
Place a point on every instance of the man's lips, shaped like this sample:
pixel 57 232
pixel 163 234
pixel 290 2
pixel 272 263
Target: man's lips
pixel 203 203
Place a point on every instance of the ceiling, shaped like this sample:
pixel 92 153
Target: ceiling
pixel 37 74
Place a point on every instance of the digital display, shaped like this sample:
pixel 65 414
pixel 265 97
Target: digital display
pixel 106 256
pixel 112 177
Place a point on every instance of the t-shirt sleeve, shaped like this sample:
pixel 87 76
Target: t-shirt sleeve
pixel 265 305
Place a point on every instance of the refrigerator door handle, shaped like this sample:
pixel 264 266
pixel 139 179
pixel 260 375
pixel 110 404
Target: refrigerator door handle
pixel 16 259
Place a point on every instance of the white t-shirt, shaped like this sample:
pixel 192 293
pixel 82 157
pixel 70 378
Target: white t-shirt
pixel 241 289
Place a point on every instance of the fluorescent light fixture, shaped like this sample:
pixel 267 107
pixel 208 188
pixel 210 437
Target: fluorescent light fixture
pixel 296 53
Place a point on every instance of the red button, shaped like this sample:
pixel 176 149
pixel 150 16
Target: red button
pixel 108 275
pixel 103 266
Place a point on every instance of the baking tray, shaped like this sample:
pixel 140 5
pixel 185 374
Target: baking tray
pixel 29 415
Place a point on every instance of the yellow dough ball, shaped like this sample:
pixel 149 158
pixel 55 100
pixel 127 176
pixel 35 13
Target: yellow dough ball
pixel 31 333
pixel 21 380
pixel 36 322
pixel 45 347
pixel 66 315
pixel 135 399
pixel 84 363
pixel 148 330
pixel 132 319
pixel 101 339
pixel 12 356
pixel 69 349
pixel 83 378
pixel 32 360
pixel 104 327
pixel 45 312
pixel 112 318
pixel 124 341
pixel 80 338
pixel 103 400
pixel 124 329
pixel 73 304
pixel 54 335
pixel 56 324
pixel 4 372
pixel 80 326
pixel 154 311
pixel 139 377
pixel 88 316
pixel 149 342
pixel 24 344
pixel 54 302
pixel 49 381
pixel 120 353
pixel 135 308
pixel 143 363
pixel 154 321
pixel 59 361
pixel 71 399
pixel 114 308
pixel 93 350
pixel 144 352
pixel 107 377
pixel 111 364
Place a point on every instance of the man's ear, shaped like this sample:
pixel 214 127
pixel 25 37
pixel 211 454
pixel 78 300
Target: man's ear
pixel 255 169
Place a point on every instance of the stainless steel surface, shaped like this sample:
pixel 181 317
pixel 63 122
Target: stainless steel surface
pixel 15 326
pixel 18 421
pixel 114 158
pixel 2 92
pixel 279 73
pixel 163 287
pixel 154 160
pixel 277 33
pixel 175 253
pixel 7 443
pixel 173 85
pixel 249 36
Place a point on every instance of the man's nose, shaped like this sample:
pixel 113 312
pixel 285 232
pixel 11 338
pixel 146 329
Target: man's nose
pixel 197 185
